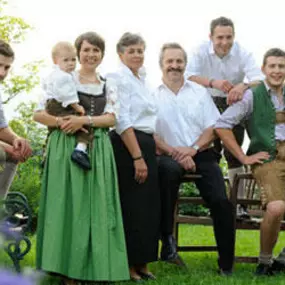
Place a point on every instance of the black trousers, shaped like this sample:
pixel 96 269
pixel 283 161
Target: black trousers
pixel 212 189
pixel 238 131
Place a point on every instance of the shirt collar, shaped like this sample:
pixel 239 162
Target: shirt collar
pixel 162 86
pixel 268 89
pixel 124 69
pixel 231 53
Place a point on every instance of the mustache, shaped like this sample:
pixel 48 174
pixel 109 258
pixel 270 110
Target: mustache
pixel 175 69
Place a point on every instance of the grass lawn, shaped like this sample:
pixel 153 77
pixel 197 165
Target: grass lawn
pixel 202 266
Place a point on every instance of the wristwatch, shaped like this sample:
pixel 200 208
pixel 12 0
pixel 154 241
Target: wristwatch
pixel 196 147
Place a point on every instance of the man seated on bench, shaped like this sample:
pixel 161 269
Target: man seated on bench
pixel 263 106
pixel 184 131
pixel 12 147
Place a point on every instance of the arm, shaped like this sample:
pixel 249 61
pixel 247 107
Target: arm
pixel 251 72
pixel 231 144
pixel 162 146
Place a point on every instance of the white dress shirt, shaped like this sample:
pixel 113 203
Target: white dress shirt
pixel 112 105
pixel 183 117
pixel 137 105
pixel 60 85
pixel 236 67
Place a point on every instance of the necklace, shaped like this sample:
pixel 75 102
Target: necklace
pixel 88 79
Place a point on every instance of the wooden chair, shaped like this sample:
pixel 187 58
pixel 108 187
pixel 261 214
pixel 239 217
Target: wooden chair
pixel 253 203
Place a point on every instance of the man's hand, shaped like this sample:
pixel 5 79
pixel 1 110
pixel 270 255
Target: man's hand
pixel 14 154
pixel 236 93
pixel 255 158
pixel 22 145
pixel 223 85
pixel 188 163
pixel 181 152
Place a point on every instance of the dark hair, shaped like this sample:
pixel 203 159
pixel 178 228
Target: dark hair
pixel 93 39
pixel 273 52
pixel 171 46
pixel 221 21
pixel 6 50
pixel 128 39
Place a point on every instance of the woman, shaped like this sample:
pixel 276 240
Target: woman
pixel 134 150
pixel 80 233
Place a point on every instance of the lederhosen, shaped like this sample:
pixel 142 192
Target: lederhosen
pixel 270 176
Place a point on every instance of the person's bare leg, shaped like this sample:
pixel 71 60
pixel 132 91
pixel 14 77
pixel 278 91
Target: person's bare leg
pixel 133 273
pixel 270 228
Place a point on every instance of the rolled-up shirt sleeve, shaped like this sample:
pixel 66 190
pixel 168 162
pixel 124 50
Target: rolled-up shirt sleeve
pixel 3 122
pixel 210 110
pixel 123 120
pixel 237 112
pixel 112 105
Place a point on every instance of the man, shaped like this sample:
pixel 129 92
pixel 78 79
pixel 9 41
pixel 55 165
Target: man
pixel 222 65
pixel 184 131
pixel 263 107
pixel 14 149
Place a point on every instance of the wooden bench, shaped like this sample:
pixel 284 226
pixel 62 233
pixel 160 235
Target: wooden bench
pixel 252 201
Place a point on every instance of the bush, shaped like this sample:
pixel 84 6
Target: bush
pixel 190 190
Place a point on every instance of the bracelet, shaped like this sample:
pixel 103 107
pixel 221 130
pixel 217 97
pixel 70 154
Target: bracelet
pixel 90 121
pixel 137 158
pixel 211 83
pixel 56 122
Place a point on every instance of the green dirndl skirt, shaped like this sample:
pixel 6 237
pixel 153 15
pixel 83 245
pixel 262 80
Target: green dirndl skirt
pixel 80 231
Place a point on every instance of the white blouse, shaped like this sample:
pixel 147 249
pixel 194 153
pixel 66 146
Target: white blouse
pixel 112 105
pixel 137 105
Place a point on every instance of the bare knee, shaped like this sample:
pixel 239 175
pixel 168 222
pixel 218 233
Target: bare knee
pixel 276 209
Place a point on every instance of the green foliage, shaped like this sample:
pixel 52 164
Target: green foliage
pixel 190 190
pixel 13 30
pixel 25 82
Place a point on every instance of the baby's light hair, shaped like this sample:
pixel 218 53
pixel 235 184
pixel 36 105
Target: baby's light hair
pixel 61 46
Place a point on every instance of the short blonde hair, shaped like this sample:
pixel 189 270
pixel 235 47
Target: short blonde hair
pixel 61 46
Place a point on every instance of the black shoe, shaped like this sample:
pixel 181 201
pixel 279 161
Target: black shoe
pixel 278 266
pixel 81 158
pixel 169 253
pixel 242 213
pixel 146 276
pixel 264 270
pixel 168 248
pixel 224 272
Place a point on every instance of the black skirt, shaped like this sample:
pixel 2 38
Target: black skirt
pixel 140 202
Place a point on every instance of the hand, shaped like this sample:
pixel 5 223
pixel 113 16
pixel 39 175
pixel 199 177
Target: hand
pixel 140 170
pixel 180 152
pixel 22 146
pixel 80 110
pixel 188 163
pixel 14 154
pixel 72 124
pixel 255 158
pixel 236 93
pixel 223 85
